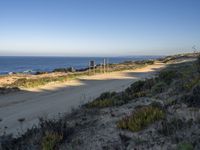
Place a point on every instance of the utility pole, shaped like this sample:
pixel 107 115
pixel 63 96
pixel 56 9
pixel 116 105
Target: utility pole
pixel 89 68
pixel 94 66
pixel 104 65
pixel 107 65
pixel 101 67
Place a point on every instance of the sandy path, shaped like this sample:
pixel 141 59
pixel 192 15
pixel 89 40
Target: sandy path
pixel 50 100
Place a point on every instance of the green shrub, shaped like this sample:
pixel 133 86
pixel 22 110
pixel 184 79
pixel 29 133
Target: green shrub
pixel 157 104
pixel 4 90
pixel 168 76
pixel 140 86
pixel 114 99
pixel 104 100
pixel 198 64
pixel 100 103
pixel 64 70
pixel 185 146
pixel 136 86
pixel 150 62
pixel 30 83
pixel 127 62
pixel 39 81
pixel 50 140
pixel 127 96
pixel 159 87
pixel 41 72
pixel 139 94
pixel 144 62
pixel 167 128
pixel 48 135
pixel 141 118
pixel 193 99
pixel 136 90
pixel 188 85
pixel 149 83
pixel 107 95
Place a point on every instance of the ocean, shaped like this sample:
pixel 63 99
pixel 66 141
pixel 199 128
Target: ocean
pixel 33 64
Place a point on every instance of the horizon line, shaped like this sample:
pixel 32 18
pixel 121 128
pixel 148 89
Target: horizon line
pixel 76 56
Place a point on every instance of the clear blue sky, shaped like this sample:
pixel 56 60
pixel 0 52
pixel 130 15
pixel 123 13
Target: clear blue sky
pixel 98 27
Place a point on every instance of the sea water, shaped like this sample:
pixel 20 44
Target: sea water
pixel 33 64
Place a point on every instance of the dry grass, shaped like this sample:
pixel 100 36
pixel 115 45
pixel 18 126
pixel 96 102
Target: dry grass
pixel 141 118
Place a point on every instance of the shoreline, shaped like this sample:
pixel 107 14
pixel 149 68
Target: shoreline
pixel 25 81
pixel 78 63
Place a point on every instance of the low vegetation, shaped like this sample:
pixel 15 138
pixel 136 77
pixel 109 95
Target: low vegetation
pixel 159 87
pixel 65 70
pixel 40 81
pixel 128 65
pixel 198 64
pixel 50 140
pixel 30 83
pixel 105 100
pixel 141 118
pixel 47 136
pixel 164 114
pixel 5 90
pixel 170 77
pixel 193 98
pixel 136 90
pixel 70 73
pixel 169 127
pixel 170 59
pixel 185 146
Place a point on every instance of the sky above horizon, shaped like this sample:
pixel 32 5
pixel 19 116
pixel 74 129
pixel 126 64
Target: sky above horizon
pixel 98 27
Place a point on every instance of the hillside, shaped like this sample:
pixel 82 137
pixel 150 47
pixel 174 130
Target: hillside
pixel 155 113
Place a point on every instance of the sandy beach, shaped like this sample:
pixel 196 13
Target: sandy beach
pixel 50 100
